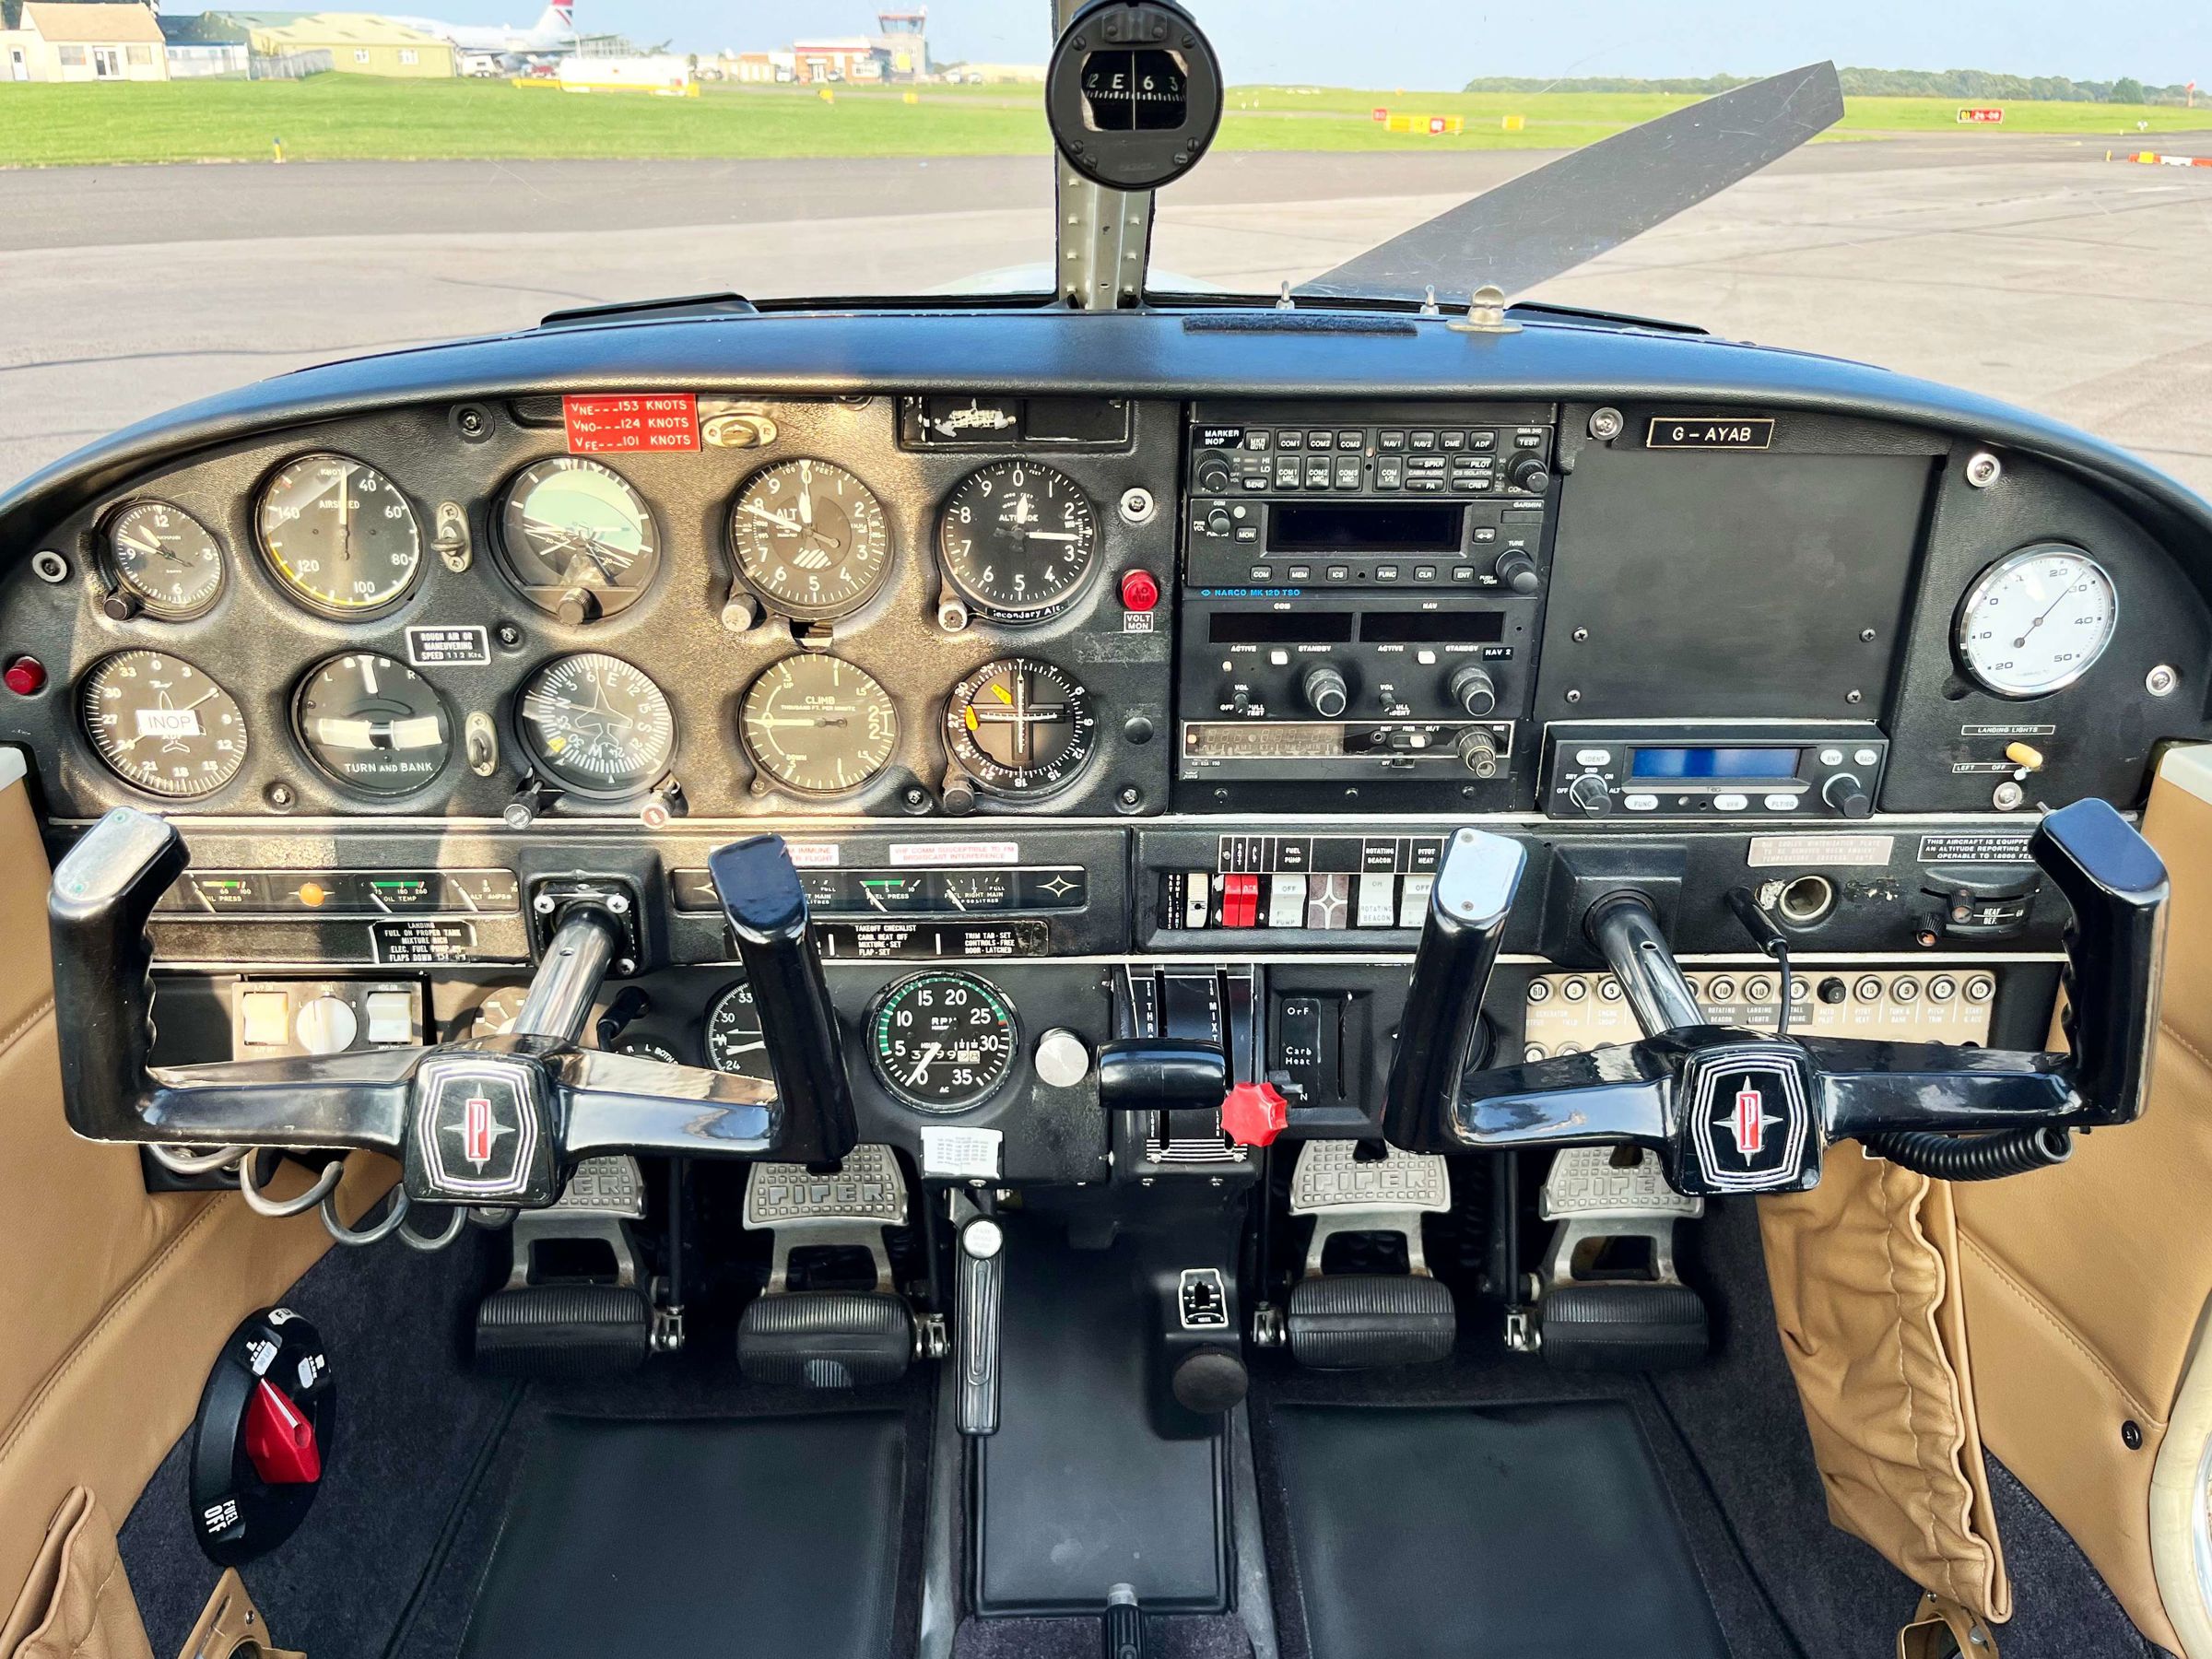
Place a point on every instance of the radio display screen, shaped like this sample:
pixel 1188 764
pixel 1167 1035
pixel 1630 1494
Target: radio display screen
pixel 1365 526
pixel 1689 765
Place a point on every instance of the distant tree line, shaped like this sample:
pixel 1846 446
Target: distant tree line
pixel 1877 83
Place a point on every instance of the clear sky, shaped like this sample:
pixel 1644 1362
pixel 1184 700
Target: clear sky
pixel 1440 43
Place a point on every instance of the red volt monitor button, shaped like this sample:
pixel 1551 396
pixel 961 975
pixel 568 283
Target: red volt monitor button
pixel 279 1440
pixel 1140 591
pixel 630 422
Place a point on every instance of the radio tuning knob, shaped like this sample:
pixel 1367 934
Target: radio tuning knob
pixel 1325 692
pixel 1528 472
pixel 1473 690
pixel 1213 475
pixel 1516 567
pixel 1217 522
pixel 1846 795
pixel 1589 792
pixel 1478 753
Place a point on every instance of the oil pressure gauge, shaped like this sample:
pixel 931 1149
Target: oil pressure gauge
pixel 2035 621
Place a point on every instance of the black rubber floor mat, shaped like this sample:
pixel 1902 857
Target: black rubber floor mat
pixel 766 1537
pixel 1520 1531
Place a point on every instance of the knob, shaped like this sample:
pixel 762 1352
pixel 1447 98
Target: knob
pixel 1846 795
pixel 1213 475
pixel 1473 690
pixel 1217 522
pixel 1326 694
pixel 119 606
pixel 326 1025
pixel 1061 1059
pixel 1528 472
pixel 1589 792
pixel 1516 567
pixel 576 606
pixel 1240 700
pixel 1478 753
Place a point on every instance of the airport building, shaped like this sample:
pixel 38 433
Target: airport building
pixel 77 40
pixel 357 42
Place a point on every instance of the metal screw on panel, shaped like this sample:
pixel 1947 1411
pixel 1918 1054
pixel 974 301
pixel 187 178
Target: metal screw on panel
pixel 1580 634
pixel 1607 424
pixel 50 567
pixel 1130 798
pixel 1983 470
pixel 619 904
pixel 508 635
pixel 1854 697
pixel 472 423
pixel 281 796
pixel 1867 636
pixel 1137 506
pixel 1573 696
pixel 2007 796
pixel 543 904
pixel 2163 680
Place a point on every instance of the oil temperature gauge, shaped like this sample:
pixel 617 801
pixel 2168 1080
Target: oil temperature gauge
pixel 942 1041
pixel 1020 728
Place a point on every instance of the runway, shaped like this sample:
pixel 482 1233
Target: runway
pixel 2029 268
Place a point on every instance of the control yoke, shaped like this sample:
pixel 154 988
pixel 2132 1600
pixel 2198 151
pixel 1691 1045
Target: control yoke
pixel 1730 1111
pixel 486 1121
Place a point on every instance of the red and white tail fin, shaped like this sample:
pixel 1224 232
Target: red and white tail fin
pixel 558 20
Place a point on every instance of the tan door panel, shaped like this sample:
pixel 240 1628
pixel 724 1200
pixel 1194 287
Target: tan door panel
pixel 2084 1284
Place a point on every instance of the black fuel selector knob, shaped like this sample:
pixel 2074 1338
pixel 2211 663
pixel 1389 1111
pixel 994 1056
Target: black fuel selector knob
pixel 1473 690
pixel 1325 691
pixel 1528 472
pixel 1213 475
pixel 1846 795
pixel 1516 567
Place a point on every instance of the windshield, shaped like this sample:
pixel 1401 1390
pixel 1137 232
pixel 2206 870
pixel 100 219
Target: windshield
pixel 190 200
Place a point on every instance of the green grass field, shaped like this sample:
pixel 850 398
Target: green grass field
pixel 342 117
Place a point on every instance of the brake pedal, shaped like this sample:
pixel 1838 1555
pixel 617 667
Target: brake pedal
pixel 1595 1310
pixel 827 1338
pixel 1353 1320
pixel 547 1323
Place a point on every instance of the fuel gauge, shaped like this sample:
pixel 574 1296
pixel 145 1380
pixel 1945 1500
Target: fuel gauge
pixel 884 890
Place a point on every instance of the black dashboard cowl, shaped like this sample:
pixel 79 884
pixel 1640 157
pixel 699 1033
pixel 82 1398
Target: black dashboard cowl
pixel 1140 353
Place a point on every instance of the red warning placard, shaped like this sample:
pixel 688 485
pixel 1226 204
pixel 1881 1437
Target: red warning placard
pixel 627 422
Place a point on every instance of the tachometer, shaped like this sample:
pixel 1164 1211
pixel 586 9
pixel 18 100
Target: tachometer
pixel 373 723
pixel 1020 727
pixel 734 1044
pixel 162 725
pixel 818 724
pixel 577 539
pixel 165 559
pixel 1016 539
pixel 942 1041
pixel 2036 620
pixel 340 535
pixel 810 539
pixel 597 725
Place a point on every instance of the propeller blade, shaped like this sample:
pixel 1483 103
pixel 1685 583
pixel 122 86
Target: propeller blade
pixel 1532 227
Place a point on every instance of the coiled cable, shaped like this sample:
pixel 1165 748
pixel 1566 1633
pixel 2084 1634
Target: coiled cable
pixel 1973 1156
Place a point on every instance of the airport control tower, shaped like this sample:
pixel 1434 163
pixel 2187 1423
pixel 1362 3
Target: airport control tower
pixel 902 43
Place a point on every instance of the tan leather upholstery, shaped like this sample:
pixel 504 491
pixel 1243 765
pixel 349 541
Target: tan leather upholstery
pixel 113 1301
pixel 1866 1297
pixel 2084 1284
pixel 78 1601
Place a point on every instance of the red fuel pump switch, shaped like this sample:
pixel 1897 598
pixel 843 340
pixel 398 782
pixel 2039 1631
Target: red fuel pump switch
pixel 25 677
pixel 1140 591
